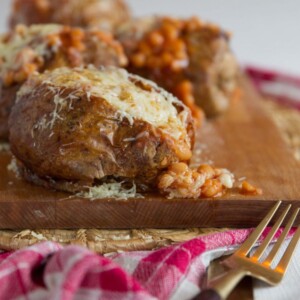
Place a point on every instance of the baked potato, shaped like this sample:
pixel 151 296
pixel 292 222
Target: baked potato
pixel 45 47
pixel 104 14
pixel 187 57
pixel 79 127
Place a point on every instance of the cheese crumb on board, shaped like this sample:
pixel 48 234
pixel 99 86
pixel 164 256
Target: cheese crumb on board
pixel 110 190
pixel 12 167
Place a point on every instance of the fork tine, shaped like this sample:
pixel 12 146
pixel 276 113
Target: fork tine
pixel 286 258
pixel 260 250
pixel 249 243
pixel 268 261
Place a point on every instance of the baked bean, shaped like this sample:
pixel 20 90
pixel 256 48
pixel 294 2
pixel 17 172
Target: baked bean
pixel 211 188
pixel 178 168
pixel 249 189
pixel 165 181
pixel 207 171
pixel 156 38
pixel 183 182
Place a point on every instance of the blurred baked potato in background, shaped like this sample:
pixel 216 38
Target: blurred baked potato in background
pixel 187 57
pixel 26 50
pixel 104 14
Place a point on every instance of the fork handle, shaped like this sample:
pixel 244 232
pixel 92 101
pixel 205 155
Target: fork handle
pixel 221 287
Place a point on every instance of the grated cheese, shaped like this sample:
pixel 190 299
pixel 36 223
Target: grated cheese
pixel 110 190
pixel 117 87
pixel 227 180
pixel 42 124
pixel 59 102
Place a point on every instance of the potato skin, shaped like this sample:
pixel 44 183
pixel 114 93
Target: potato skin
pixel 188 58
pixel 7 100
pixel 105 14
pixel 87 143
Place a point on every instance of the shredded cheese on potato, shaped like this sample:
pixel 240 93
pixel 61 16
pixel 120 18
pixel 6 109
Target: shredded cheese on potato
pixel 12 167
pixel 118 88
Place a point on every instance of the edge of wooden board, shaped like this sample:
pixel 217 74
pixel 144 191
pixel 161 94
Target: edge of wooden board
pixel 49 209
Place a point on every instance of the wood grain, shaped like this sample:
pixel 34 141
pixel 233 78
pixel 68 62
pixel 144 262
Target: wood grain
pixel 245 140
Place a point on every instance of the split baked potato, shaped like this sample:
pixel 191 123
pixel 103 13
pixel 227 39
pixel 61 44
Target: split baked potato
pixel 79 127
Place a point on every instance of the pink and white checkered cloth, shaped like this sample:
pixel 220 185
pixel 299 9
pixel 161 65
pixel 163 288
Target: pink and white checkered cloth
pixel 281 87
pixel 49 271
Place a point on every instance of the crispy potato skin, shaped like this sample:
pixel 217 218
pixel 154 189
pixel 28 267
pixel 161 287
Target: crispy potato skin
pixel 209 65
pixel 7 100
pixel 75 153
pixel 105 14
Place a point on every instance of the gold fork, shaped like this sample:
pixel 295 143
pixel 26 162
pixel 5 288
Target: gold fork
pixel 241 264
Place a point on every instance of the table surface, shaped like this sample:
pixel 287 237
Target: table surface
pixel 265 31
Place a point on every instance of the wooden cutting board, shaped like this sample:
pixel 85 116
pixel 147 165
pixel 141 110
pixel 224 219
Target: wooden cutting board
pixel 245 141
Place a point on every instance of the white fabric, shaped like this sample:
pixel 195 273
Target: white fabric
pixel 288 289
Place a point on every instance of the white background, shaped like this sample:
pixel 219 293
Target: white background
pixel 266 32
